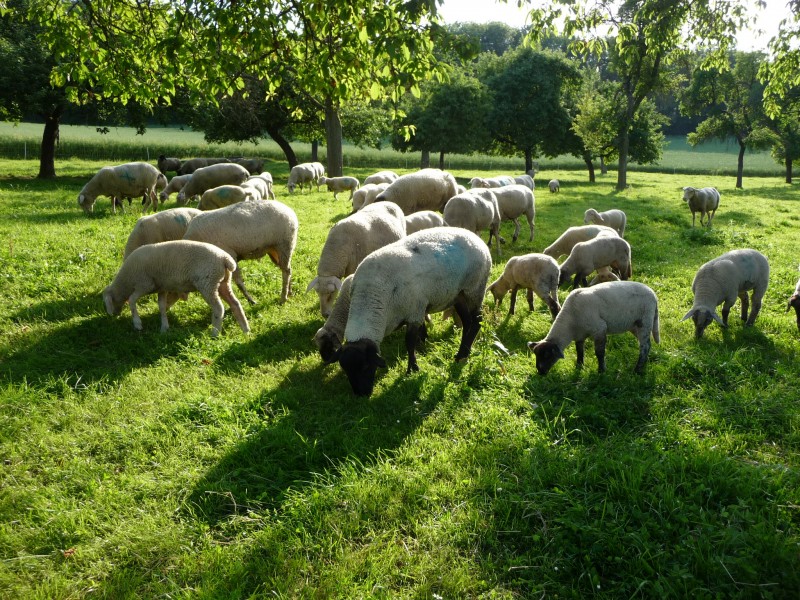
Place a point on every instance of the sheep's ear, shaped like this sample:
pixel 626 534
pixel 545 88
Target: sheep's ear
pixel 792 301
pixel 337 284
pixel 81 198
pixel 689 314
pixel 109 303
pixel 716 317
pixel 313 285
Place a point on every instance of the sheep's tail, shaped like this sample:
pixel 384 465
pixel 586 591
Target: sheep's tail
pixel 656 327
pixel 229 263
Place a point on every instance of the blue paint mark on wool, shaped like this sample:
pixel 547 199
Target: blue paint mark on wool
pixel 127 176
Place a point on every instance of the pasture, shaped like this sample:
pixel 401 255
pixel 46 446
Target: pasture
pixel 141 464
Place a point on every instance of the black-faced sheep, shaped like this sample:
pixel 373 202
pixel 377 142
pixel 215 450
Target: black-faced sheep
pixel 794 302
pixel 166 164
pixel 702 200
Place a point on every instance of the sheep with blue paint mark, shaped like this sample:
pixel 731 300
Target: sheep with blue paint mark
pixel 129 180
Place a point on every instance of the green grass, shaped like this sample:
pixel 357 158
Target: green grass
pixel 144 465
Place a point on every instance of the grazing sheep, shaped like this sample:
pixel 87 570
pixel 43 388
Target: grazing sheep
pixel 250 230
pixel 794 302
pixel 190 166
pixel 349 241
pixel 161 185
pixel 222 195
pixel 723 279
pixel 515 201
pixel 212 176
pixel 702 200
pixel 173 269
pixel 573 235
pixel 538 273
pixel 129 180
pixel 175 185
pixel 554 186
pixel 491 182
pixel 160 227
pixel 253 165
pixel 168 164
pixel 330 336
pixel 525 180
pixel 604 275
pixel 398 284
pixel 613 218
pixel 366 194
pixel 256 188
pixel 319 172
pixel 607 308
pixel 381 177
pixel 302 175
pixel 340 184
pixel 426 189
pixel 475 212
pixel 423 219
pixel 604 251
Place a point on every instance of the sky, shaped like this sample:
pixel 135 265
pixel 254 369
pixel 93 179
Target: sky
pixel 485 11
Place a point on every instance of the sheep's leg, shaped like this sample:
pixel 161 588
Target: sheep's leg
pixel 471 325
pixel 513 300
pixel 239 279
pixel 286 287
pixel 217 310
pixel 529 297
pixel 726 309
pixel 644 349
pixel 137 320
pixel 412 336
pixel 516 230
pixel 693 215
pixel 755 307
pixel 580 346
pixel 553 305
pixel 600 352
pixel 531 226
pixel 226 293
pixel 163 306
pixel 576 280
pixel 745 305
pixel 711 216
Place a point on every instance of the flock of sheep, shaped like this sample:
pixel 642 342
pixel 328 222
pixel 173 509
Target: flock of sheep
pixel 410 248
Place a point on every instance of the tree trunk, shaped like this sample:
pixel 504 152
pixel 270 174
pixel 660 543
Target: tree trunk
pixel 425 159
pixel 441 160
pixel 283 144
pixel 315 151
pixel 47 155
pixel 528 160
pixel 333 134
pixel 603 167
pixel 788 169
pixel 622 168
pixel 740 166
pixel 590 166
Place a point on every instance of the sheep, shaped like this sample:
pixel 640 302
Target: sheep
pixel 222 195
pixel 723 279
pixel 381 177
pixel 302 175
pixel 613 218
pixel 366 194
pixel 168 164
pixel 127 180
pixel 565 242
pixel 266 177
pixel 514 201
pixel 604 274
pixel 319 172
pixel 340 184
pixel 475 211
pixel 330 336
pixel 175 185
pixel 253 165
pixel 423 219
pixel 702 200
pixel 349 241
pixel 538 273
pixel 491 182
pixel 190 166
pixel 607 308
pixel 426 189
pixel 172 269
pixel 250 230
pixel 425 272
pixel 525 180
pixel 161 185
pixel 212 176
pixel 604 251
pixel 159 227
pixel 554 185
pixel 794 302
pixel 255 188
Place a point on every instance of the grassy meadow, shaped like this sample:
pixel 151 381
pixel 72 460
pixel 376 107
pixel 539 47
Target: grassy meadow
pixel 149 465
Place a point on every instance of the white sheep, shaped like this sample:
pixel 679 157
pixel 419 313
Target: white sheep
pixel 175 185
pixel 190 166
pixel 366 194
pixel 515 201
pixel 381 177
pixel 173 269
pixel 426 189
pixel 319 172
pixel 168 164
pixel 604 274
pixel 491 182
pixel 525 180
pixel 565 242
pixel 554 185
pixel 398 284
pixel 475 210
pixel 330 336
pixel 423 219
pixel 212 176
pixel 161 185
pixel 538 273
pixel 613 218
pixel 340 184
pixel 162 226
pixel 262 185
pixel 302 175
pixel 794 302
pixel 702 200
pixel 603 251
pixel 127 180
pixel 607 308
pixel 253 165
pixel 349 241
pixel 724 279
pixel 222 195
pixel 250 230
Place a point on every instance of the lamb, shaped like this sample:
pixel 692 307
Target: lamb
pixel 702 200
pixel 173 269
pixel 425 272
pixel 340 184
pixel 160 227
pixel 381 177
pixel 366 194
pixel 222 195
pixel 426 189
pixel 260 186
pixel 127 180
pixel 604 274
pixel 554 186
pixel 514 201
pixel 250 230
pixel 190 166
pixel 794 302
pixel 723 279
pixel 253 165
pixel 168 164
pixel 475 212
pixel 596 253
pixel 538 273
pixel 613 307
pixel 423 219
pixel 175 185
pixel 525 180
pixel 319 171
pixel 330 336
pixel 573 235
pixel 349 242
pixel 212 176
pixel 491 182
pixel 613 218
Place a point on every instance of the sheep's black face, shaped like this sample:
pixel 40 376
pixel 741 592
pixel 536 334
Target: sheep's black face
pixel 702 319
pixel 794 302
pixel 547 354
pixel 360 360
pixel 328 347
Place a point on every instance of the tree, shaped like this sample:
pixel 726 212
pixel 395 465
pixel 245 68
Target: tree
pixel 497 38
pixel 782 74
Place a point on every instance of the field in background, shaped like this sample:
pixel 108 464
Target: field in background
pixel 122 144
